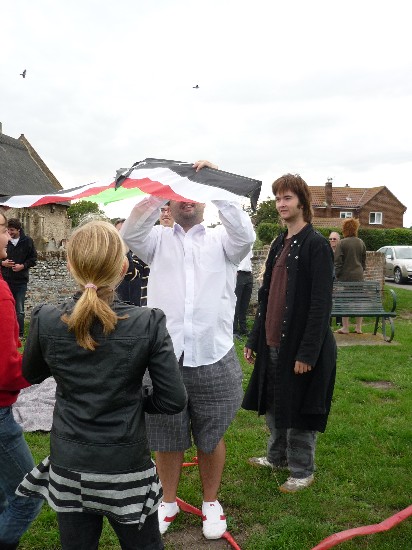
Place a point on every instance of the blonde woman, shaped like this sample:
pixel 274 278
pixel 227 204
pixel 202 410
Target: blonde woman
pixel 97 349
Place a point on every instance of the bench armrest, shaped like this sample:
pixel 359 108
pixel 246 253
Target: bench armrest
pixel 393 293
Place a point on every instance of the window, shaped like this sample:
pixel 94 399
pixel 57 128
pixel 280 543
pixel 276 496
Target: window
pixel 345 215
pixel 375 217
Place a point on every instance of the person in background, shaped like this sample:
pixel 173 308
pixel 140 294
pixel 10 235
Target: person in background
pixel 294 374
pixel 192 279
pixel 16 512
pixel 97 349
pixel 21 256
pixel 334 238
pixel 166 218
pixel 350 264
pixel 243 291
pixel 133 288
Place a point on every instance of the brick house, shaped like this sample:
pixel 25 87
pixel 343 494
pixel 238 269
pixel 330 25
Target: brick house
pixel 23 172
pixel 374 207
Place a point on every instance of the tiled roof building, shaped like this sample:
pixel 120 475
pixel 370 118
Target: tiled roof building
pixel 375 207
pixel 23 172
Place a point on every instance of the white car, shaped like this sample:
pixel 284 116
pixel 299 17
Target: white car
pixel 398 263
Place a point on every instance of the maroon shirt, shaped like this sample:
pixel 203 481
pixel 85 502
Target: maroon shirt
pixel 277 298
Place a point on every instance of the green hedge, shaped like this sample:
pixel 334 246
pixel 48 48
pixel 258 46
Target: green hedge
pixel 373 238
pixel 267 231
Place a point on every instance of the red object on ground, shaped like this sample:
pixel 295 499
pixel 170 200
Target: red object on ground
pixel 194 463
pixel 385 525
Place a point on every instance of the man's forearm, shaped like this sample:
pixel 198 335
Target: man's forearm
pixel 137 228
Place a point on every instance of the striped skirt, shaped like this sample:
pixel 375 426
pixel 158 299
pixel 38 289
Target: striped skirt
pixel 127 498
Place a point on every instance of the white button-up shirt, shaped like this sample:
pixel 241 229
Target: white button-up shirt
pixel 192 275
pixel 246 263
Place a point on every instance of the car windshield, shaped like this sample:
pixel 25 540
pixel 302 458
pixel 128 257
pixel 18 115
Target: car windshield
pixel 404 253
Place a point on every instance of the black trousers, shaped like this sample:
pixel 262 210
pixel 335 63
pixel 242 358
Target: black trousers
pixel 81 531
pixel 243 291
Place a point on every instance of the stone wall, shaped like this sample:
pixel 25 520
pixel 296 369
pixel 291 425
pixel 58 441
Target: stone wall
pixel 47 225
pixel 51 282
pixel 375 262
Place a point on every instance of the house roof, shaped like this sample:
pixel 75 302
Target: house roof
pixel 22 171
pixel 346 197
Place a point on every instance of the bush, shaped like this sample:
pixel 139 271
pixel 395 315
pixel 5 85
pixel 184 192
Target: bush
pixel 266 232
pixel 376 238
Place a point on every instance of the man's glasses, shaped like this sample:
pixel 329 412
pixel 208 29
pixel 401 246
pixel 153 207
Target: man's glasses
pixel 333 239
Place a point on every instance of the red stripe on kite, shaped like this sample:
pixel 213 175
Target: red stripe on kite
pixel 46 199
pixel 154 187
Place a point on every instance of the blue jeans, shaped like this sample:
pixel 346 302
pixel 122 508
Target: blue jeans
pixel 16 513
pixel 19 293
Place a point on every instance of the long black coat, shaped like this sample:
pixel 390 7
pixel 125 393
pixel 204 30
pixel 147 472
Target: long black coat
pixel 302 401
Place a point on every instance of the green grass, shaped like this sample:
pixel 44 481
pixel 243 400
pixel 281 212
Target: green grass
pixel 364 463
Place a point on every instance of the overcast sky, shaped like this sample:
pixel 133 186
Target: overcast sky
pixel 321 88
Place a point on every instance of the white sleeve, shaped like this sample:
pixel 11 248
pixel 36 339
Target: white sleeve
pixel 138 231
pixel 239 234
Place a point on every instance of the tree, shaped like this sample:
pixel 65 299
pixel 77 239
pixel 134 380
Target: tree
pixel 266 212
pixel 79 210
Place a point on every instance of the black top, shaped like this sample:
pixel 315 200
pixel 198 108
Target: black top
pixel 23 253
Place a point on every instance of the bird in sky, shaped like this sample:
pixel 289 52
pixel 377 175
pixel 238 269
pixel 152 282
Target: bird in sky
pixel 23 74
pixel 197 86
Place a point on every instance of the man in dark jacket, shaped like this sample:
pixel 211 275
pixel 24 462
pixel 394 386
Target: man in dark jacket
pixel 21 256
pixel 133 288
pixel 293 378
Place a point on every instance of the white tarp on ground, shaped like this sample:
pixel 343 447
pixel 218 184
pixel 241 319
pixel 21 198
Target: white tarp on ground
pixel 33 409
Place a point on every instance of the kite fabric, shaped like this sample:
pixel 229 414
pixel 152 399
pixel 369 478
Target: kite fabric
pixel 167 179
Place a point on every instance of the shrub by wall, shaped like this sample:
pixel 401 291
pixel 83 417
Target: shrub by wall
pixel 376 238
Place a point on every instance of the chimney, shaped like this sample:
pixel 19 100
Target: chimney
pixel 1 128
pixel 328 198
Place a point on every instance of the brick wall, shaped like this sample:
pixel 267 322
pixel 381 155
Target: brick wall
pixel 392 211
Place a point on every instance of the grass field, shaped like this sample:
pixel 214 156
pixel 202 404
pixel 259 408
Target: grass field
pixel 364 463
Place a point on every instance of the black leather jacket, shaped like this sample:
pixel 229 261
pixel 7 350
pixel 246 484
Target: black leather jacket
pixel 98 420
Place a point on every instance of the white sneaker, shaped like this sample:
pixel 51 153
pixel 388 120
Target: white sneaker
pixel 262 461
pixel 214 520
pixel 167 512
pixel 294 484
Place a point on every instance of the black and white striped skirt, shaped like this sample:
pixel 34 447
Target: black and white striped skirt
pixel 127 498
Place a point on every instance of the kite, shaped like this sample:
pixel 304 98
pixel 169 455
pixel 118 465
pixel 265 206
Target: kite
pixel 167 179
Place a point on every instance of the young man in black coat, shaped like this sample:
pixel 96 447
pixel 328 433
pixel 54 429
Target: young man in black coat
pixel 293 378
pixel 21 256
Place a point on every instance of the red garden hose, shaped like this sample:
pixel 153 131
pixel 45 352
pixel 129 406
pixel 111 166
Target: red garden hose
pixel 385 525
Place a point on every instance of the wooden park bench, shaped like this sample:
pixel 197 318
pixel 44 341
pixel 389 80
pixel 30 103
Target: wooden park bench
pixel 364 299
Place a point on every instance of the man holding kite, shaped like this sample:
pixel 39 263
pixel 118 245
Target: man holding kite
pixel 192 280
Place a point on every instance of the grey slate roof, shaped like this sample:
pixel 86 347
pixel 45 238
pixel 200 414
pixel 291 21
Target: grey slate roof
pixel 22 171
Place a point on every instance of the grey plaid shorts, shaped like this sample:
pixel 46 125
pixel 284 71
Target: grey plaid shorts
pixel 214 396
